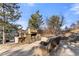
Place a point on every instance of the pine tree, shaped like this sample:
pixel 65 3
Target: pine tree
pixel 35 21
pixel 55 23
pixel 9 12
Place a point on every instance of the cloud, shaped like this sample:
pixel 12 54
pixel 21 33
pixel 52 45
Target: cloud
pixel 30 4
pixel 23 23
pixel 75 8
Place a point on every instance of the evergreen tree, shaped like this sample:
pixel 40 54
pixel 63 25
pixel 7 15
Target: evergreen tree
pixel 9 12
pixel 55 23
pixel 35 21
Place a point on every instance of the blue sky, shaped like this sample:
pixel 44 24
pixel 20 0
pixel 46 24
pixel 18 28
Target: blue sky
pixel 68 10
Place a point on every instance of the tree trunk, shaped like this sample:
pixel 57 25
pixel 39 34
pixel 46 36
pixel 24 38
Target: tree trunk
pixel 4 25
pixel 4 36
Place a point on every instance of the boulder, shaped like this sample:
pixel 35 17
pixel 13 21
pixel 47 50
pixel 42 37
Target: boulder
pixel 74 37
pixel 40 51
pixel 16 39
pixel 44 39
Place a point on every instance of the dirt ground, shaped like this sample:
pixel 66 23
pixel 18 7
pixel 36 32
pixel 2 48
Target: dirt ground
pixel 17 49
pixel 12 49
